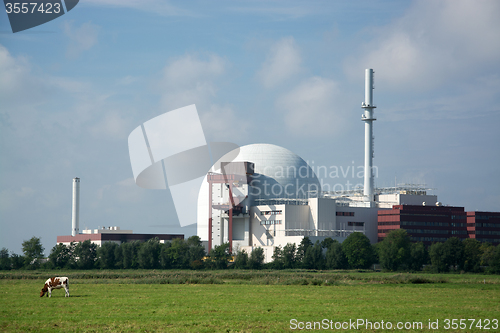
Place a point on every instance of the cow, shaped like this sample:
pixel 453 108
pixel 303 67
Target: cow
pixel 55 283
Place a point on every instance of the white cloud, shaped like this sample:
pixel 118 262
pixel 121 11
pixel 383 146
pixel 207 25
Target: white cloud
pixel 112 125
pixel 127 80
pixel 194 80
pixel 123 191
pixel 189 70
pixel 282 63
pixel 16 82
pixel 190 80
pixel 312 108
pixel 30 103
pixel 434 42
pixel 81 38
pixel 25 192
pixel 468 100
pixel 12 70
pixel 220 123
pixel 11 199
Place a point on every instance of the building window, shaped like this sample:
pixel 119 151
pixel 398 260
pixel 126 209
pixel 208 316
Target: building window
pixel 426 231
pixel 486 217
pixel 356 224
pixel 388 223
pixel 270 222
pixel 488 225
pixel 426 224
pixel 489 240
pixel 428 239
pixel 271 212
pixel 344 213
pixel 484 232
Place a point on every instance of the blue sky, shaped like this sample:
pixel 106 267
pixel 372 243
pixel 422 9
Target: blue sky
pixel 289 73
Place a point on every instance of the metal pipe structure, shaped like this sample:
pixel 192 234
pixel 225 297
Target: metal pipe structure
pixel 209 217
pixel 75 221
pixel 368 118
pixel 230 220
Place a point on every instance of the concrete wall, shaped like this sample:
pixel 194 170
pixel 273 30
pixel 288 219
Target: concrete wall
pixel 322 213
pixel 270 230
pixel 369 216
pixel 388 200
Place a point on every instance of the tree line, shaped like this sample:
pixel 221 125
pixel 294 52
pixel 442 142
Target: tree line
pixel 395 253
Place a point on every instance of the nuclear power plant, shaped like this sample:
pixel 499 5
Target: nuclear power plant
pixel 263 195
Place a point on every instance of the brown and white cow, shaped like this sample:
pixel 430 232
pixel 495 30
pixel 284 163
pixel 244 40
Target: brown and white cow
pixel 55 283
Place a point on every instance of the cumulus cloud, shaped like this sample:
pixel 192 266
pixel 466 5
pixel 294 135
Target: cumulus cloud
pixel 220 123
pixel 11 199
pixel 283 61
pixel 470 100
pixel 16 82
pixel 190 80
pixel 433 42
pixel 190 70
pixel 112 125
pixel 123 191
pixel 312 107
pixel 81 38
pixel 28 98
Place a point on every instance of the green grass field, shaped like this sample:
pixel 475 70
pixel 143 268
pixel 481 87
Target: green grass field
pixel 243 301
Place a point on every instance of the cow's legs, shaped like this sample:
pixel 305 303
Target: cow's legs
pixel 50 292
pixel 66 289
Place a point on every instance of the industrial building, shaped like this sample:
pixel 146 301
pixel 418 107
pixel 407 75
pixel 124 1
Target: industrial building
pixel 268 196
pixel 263 195
pixel 113 234
pixel 103 234
pixel 427 224
pixel 430 224
pixel 484 226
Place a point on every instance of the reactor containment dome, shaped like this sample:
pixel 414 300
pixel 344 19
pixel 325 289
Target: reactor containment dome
pixel 278 175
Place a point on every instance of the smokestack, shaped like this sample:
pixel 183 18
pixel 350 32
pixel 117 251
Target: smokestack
pixel 368 118
pixel 75 221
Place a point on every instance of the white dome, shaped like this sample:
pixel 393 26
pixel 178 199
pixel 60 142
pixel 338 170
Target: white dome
pixel 278 173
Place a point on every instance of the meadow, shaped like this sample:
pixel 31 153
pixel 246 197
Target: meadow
pixel 247 301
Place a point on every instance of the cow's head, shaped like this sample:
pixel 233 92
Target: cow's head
pixel 44 290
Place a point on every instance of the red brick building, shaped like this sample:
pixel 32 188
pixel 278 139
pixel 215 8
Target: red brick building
pixel 484 226
pixel 427 224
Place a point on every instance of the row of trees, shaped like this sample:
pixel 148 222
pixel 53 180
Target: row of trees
pixel 178 253
pixel 151 254
pixel 396 252
pixel 355 252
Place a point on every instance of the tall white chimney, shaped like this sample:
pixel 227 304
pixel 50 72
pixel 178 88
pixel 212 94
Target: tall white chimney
pixel 368 118
pixel 75 221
